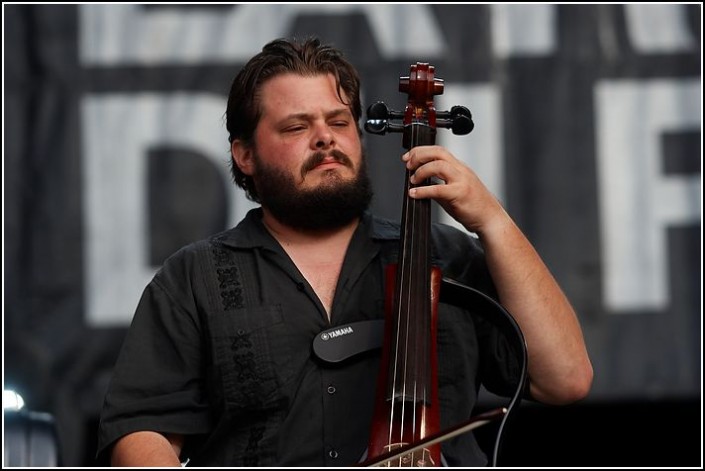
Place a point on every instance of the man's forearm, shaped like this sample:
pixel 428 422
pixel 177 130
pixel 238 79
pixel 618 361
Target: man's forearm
pixel 146 449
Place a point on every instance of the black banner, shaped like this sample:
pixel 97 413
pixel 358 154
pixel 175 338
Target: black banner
pixel 588 128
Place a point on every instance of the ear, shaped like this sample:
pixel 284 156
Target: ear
pixel 242 155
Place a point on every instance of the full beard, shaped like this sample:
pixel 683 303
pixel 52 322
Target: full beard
pixel 333 204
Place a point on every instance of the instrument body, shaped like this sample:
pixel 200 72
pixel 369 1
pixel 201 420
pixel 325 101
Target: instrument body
pixel 406 409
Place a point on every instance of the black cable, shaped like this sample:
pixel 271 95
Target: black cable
pixel 461 295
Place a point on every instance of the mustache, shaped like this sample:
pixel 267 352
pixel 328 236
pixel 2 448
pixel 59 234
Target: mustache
pixel 316 158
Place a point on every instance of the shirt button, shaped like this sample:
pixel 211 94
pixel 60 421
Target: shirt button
pixel 331 389
pixel 333 454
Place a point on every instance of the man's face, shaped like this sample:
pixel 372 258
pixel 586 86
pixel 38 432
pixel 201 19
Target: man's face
pixel 307 159
pixel 301 117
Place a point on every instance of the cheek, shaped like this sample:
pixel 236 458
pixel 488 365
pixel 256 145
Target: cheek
pixel 275 148
pixel 283 154
pixel 354 149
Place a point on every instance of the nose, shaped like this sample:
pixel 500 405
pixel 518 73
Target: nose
pixel 322 138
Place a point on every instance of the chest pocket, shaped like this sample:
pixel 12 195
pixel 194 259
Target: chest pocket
pixel 251 356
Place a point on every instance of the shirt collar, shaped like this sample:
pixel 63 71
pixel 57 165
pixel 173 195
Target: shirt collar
pixel 251 233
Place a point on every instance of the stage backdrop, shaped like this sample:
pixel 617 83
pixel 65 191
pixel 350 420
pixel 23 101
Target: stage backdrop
pixel 588 128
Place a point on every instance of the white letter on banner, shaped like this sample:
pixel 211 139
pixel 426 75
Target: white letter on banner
pixel 523 30
pixel 482 150
pixel 118 130
pixel 656 28
pixel 636 201
pixel 114 34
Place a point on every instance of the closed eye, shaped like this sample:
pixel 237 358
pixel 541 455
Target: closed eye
pixel 294 128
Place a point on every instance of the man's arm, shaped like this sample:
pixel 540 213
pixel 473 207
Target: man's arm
pixel 147 449
pixel 559 368
pixel 560 371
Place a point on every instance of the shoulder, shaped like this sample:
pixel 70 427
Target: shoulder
pixel 381 228
pixel 442 234
pixel 446 239
pixel 453 239
pixel 198 262
pixel 192 252
pixel 248 234
pixel 458 253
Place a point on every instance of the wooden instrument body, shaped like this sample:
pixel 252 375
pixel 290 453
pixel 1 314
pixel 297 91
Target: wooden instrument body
pixel 406 408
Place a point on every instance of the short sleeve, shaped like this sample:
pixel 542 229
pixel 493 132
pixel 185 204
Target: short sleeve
pixel 157 382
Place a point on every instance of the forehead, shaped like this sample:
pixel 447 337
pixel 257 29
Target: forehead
pixel 289 92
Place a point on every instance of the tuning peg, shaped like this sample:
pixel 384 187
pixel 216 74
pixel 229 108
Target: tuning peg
pixel 376 126
pixel 378 116
pixel 378 111
pixel 462 120
pixel 458 119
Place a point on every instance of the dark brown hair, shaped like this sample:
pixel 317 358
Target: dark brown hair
pixel 307 58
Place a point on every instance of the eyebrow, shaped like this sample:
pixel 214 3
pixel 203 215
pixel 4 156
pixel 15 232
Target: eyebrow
pixel 328 115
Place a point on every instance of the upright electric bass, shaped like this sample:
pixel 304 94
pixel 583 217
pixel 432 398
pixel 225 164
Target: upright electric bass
pixel 406 423
pixel 405 427
pixel 406 408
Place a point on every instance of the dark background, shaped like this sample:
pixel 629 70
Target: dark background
pixel 646 405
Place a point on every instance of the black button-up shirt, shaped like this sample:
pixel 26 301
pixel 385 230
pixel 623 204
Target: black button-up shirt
pixel 220 350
